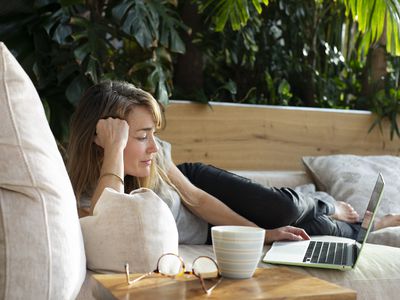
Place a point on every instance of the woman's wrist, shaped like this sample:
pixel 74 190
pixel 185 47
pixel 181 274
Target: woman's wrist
pixel 113 162
pixel 268 239
pixel 113 150
pixel 102 175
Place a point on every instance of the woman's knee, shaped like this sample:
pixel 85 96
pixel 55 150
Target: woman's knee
pixel 291 213
pixel 291 210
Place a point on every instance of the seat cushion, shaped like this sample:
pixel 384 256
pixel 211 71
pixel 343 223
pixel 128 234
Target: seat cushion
pixel 41 247
pixel 277 178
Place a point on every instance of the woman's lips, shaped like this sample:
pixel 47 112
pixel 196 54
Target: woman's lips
pixel 147 162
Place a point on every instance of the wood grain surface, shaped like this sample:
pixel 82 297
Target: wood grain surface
pixel 249 137
pixel 273 283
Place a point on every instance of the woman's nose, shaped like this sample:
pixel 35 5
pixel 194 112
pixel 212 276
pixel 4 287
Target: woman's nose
pixel 152 146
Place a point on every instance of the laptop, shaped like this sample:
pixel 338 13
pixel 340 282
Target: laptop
pixel 335 253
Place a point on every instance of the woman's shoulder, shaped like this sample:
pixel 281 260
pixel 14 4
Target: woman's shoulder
pixel 164 153
pixel 162 143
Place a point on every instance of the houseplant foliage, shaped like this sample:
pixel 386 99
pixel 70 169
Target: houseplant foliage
pixel 373 17
pixel 67 45
pixel 312 53
pixel 236 11
pixel 320 53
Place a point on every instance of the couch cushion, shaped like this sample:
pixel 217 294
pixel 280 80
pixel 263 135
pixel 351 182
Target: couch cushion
pixel 277 178
pixel 136 228
pixel 41 246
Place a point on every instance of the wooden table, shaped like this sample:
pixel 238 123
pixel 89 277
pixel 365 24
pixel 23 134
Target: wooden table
pixel 273 283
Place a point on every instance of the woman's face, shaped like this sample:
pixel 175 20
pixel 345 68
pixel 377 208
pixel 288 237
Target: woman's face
pixel 141 148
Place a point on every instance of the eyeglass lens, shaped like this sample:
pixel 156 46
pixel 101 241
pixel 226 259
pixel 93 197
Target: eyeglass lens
pixel 170 265
pixel 205 267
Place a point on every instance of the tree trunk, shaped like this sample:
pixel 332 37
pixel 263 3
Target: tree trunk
pixel 375 69
pixel 189 67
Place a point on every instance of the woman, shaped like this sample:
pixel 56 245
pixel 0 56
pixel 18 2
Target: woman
pixel 113 144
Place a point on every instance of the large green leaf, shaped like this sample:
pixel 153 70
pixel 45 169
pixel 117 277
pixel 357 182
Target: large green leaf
pixel 119 11
pixel 236 11
pixel 138 20
pixel 140 27
pixel 91 69
pixel 170 24
pixel 371 16
pixel 93 46
pixel 61 33
pixel 151 22
pixel 82 52
pixel 75 89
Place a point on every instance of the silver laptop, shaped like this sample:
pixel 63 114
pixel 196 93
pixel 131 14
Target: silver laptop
pixel 341 253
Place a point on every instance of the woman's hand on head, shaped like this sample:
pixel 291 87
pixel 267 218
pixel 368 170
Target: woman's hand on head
pixel 289 233
pixel 112 133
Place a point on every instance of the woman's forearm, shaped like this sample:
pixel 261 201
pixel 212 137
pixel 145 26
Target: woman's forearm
pixel 111 172
pixel 203 204
pixel 216 212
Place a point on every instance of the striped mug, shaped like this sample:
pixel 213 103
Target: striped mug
pixel 237 249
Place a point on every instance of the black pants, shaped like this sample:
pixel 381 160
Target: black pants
pixel 268 207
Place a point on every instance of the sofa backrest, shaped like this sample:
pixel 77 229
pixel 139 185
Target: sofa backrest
pixel 257 137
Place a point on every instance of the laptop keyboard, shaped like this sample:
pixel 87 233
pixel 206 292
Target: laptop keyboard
pixel 326 253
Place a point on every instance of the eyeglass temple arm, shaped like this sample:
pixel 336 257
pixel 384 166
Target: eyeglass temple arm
pixel 208 291
pixel 136 279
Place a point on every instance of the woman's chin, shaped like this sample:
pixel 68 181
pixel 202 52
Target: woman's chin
pixel 140 173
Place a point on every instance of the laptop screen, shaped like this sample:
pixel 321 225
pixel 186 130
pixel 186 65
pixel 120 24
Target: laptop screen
pixel 368 217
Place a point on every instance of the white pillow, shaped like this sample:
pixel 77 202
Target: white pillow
pixel 136 228
pixel 41 246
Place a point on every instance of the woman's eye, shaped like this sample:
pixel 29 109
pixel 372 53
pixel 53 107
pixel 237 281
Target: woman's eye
pixel 142 138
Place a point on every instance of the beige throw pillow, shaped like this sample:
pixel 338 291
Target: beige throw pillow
pixel 136 228
pixel 351 178
pixel 41 246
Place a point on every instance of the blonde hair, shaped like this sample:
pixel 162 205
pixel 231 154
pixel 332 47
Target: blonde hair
pixel 114 99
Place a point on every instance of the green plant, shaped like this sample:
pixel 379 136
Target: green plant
pixel 289 55
pixel 238 12
pixel 386 106
pixel 385 103
pixel 67 45
pixel 312 53
pixel 376 18
pixel 289 52
pixel 368 13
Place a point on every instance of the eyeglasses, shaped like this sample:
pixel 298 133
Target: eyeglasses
pixel 172 265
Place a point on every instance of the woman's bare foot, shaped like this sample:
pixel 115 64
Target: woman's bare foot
pixel 389 220
pixel 345 212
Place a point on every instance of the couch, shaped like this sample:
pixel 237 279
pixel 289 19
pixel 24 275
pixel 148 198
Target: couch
pixel 375 277
pixel 42 253
pixel 343 166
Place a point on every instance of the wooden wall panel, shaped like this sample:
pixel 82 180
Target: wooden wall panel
pixel 248 137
